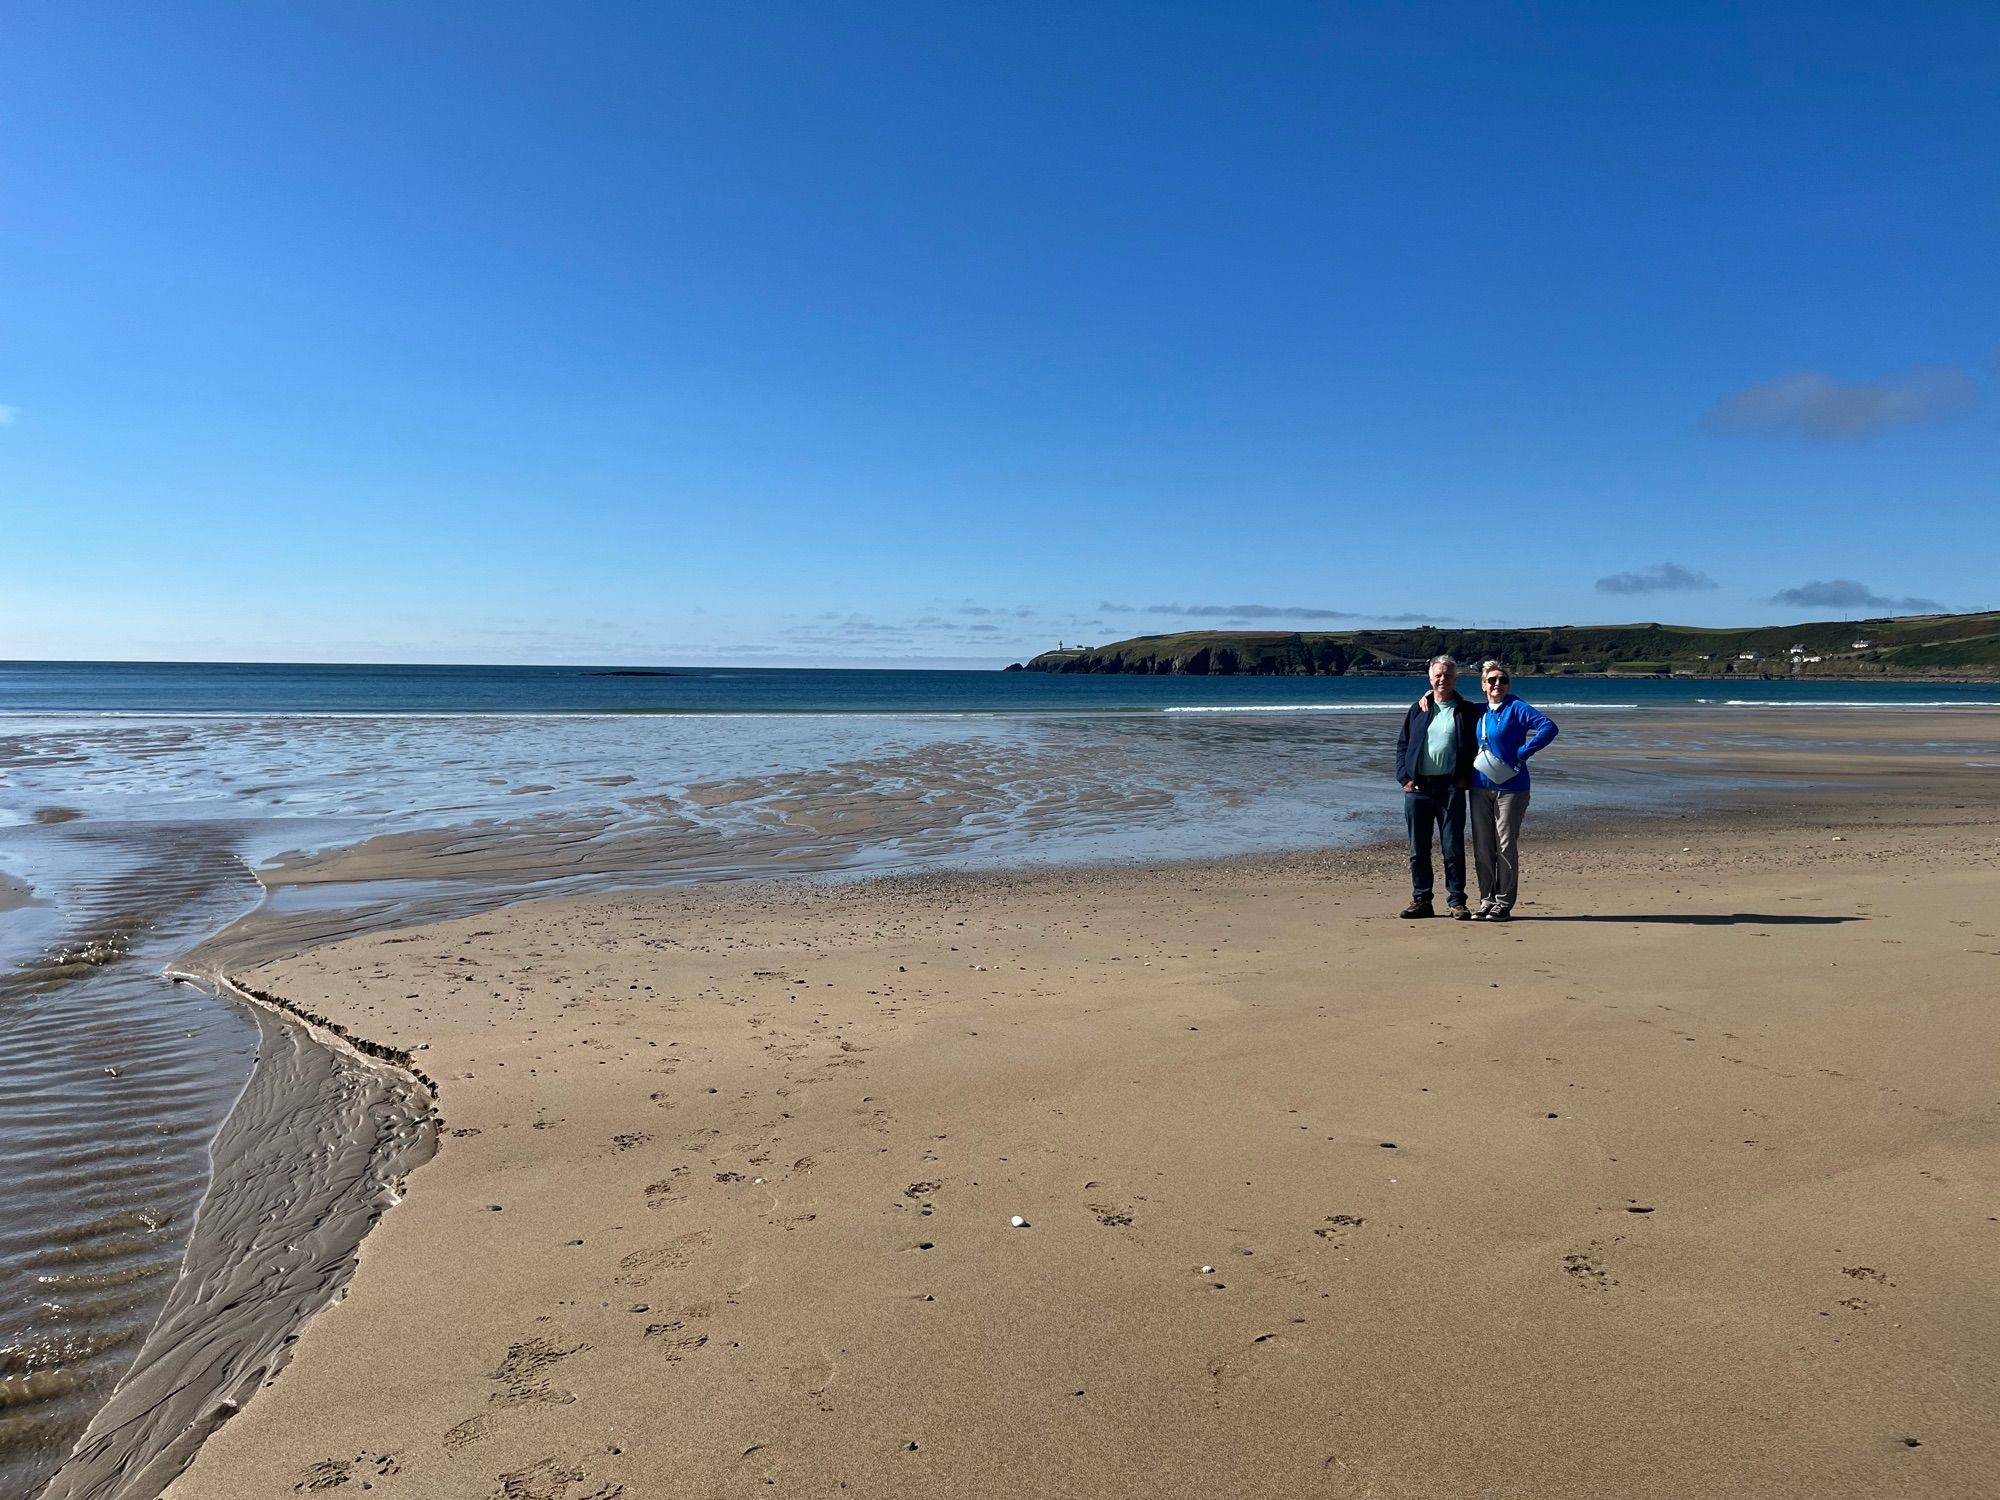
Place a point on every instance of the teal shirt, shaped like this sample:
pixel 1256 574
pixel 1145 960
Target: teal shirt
pixel 1440 753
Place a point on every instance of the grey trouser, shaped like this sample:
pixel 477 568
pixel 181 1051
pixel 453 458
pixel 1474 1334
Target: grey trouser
pixel 1496 844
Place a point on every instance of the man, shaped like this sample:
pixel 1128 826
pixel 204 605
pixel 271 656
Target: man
pixel 1434 756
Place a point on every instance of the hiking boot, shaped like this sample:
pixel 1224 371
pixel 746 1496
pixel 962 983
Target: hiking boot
pixel 1459 911
pixel 1417 909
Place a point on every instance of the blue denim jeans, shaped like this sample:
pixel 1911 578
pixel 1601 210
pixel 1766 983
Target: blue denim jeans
pixel 1436 804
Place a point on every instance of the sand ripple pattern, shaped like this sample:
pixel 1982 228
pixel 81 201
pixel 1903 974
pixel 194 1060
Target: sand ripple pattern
pixel 114 1086
pixel 312 1156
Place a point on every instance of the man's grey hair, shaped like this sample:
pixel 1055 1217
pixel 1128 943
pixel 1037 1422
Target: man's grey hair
pixel 1444 661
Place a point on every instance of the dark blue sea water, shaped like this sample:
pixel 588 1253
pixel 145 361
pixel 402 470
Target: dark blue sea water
pixel 266 688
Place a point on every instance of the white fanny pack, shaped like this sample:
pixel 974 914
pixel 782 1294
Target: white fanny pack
pixel 1489 765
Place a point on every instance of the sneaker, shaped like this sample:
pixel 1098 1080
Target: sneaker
pixel 1417 909
pixel 1499 914
pixel 1459 912
pixel 1484 910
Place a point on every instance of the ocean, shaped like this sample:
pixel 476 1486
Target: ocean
pixel 147 808
pixel 266 688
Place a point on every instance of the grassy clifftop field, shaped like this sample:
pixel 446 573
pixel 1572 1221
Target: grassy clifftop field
pixel 1961 646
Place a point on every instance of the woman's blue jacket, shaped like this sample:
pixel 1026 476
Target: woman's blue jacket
pixel 1513 731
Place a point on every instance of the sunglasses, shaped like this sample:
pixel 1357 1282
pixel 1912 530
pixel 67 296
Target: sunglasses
pixel 1499 679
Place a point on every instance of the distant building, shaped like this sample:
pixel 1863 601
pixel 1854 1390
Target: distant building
pixel 1746 656
pixel 1862 645
pixel 1812 658
pixel 1798 651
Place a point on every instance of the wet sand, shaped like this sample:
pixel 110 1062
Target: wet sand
pixel 1683 1184
pixel 15 894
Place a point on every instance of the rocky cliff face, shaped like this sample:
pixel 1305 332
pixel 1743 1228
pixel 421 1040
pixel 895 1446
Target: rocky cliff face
pixel 1273 656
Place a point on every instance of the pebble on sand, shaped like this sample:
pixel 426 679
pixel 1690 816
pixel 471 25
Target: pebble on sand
pixel 1018 1222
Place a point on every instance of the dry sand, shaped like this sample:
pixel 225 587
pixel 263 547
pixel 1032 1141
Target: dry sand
pixel 1684 1185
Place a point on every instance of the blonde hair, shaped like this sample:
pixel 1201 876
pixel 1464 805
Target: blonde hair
pixel 1490 665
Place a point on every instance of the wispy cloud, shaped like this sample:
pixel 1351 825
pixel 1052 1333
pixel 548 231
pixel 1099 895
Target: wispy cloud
pixel 1248 612
pixel 1812 404
pixel 1244 614
pixel 1661 578
pixel 9 415
pixel 847 630
pixel 1847 593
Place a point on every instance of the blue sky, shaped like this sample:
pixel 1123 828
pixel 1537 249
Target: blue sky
pixel 934 334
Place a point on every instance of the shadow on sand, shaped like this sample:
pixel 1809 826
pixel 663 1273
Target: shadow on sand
pixel 1710 919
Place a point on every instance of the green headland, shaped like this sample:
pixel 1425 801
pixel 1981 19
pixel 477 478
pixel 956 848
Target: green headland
pixel 1909 646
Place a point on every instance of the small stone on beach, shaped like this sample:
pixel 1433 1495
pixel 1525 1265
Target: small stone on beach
pixel 1018 1222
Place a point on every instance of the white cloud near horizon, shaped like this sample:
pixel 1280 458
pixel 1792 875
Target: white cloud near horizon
pixel 1814 405
pixel 1244 614
pixel 1849 593
pixel 1249 613
pixel 1661 578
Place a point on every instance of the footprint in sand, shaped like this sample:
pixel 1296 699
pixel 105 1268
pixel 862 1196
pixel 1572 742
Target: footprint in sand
pixel 470 1431
pixel 523 1374
pixel 333 1473
pixel 551 1479
pixel 673 1340
pixel 1867 1273
pixel 1586 1269
pixel 641 1266
pixel 659 1193
pixel 1224 1375
pixel 814 1378
pixel 1337 1226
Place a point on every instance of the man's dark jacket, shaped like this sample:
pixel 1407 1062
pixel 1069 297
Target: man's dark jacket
pixel 1417 726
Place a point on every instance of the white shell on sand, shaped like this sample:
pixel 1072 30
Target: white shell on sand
pixel 1208 1270
pixel 1018 1222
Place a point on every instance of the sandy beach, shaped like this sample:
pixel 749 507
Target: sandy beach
pixel 1682 1184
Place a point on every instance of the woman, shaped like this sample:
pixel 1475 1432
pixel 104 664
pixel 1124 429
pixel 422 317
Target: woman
pixel 1510 731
